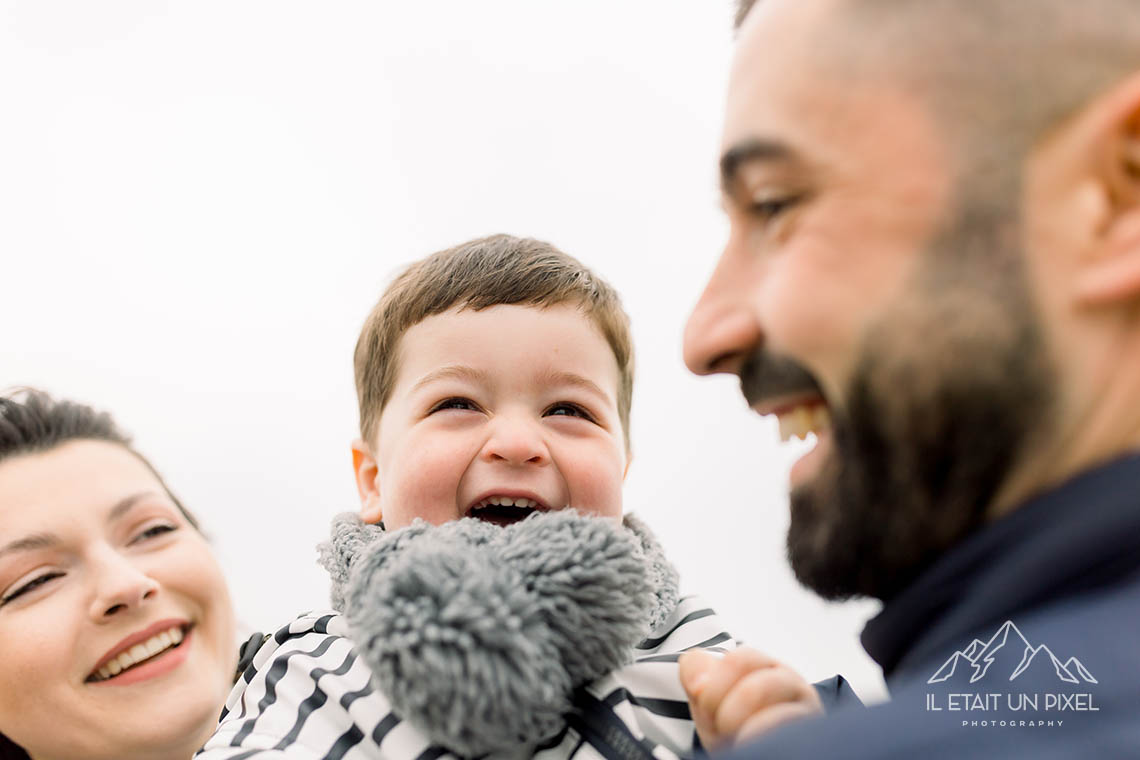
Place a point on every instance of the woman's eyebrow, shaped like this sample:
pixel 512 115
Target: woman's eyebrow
pixel 34 541
pixel 124 505
pixel 29 543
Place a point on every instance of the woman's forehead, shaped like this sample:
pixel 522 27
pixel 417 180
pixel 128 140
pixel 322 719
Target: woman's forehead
pixel 76 481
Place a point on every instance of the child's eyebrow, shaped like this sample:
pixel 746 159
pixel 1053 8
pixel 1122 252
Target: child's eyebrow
pixel 456 371
pixel 556 377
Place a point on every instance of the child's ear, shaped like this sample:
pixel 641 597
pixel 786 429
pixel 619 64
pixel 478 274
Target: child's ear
pixel 366 471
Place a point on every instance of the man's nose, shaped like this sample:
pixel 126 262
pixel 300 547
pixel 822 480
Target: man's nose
pixel 723 329
pixel 516 439
pixel 120 585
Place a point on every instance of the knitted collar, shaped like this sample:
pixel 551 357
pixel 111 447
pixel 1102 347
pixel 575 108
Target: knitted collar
pixel 478 635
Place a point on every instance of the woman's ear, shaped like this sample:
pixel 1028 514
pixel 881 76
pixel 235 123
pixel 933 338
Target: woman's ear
pixel 1111 273
pixel 367 485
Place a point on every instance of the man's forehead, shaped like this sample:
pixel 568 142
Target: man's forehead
pixel 778 56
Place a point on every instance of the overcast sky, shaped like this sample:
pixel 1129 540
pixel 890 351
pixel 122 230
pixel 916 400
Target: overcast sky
pixel 200 202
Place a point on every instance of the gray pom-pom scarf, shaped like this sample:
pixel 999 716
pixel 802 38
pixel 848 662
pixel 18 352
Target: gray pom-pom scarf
pixel 479 635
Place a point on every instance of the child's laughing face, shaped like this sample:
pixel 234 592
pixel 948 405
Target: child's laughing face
pixel 495 414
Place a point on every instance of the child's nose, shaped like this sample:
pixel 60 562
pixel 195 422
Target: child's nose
pixel 515 441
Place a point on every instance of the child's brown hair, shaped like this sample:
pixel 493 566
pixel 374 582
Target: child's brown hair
pixel 500 269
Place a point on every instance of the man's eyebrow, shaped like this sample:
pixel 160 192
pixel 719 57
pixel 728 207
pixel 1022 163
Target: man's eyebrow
pixel 573 379
pixel 456 371
pixel 34 541
pixel 746 152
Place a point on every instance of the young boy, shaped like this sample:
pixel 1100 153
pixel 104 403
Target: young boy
pixel 494 381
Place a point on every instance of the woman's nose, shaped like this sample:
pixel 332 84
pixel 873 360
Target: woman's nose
pixel 515 440
pixel 120 586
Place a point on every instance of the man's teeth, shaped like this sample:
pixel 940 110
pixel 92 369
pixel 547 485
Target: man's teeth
pixel 800 421
pixel 504 501
pixel 140 652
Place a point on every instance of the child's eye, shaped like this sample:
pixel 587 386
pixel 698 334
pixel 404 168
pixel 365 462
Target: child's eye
pixel 154 531
pixel 455 402
pixel 567 409
pixel 29 586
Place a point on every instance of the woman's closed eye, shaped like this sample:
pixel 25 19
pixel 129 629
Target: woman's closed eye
pixel 31 585
pixel 153 531
pixel 568 409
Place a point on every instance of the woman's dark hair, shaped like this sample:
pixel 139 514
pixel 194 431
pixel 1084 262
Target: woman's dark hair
pixel 31 422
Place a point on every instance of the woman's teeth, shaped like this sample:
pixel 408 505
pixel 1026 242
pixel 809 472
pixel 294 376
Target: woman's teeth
pixel 801 420
pixel 140 652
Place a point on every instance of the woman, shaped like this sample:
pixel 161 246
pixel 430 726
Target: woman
pixel 116 626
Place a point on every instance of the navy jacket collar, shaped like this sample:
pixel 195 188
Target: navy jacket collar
pixel 1080 536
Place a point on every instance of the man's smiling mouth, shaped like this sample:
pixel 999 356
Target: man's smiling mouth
pixel 802 419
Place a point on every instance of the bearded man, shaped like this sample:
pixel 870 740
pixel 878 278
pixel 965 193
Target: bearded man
pixel 934 265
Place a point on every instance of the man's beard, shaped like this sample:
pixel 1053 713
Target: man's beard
pixel 952 386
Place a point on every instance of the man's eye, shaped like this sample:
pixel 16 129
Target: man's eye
pixel 29 586
pixel 154 531
pixel 769 208
pixel 567 409
pixel 455 403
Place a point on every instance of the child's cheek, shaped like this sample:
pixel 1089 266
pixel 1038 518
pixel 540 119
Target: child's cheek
pixel 597 484
pixel 425 485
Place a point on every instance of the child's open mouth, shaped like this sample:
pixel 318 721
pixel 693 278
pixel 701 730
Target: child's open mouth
pixel 505 510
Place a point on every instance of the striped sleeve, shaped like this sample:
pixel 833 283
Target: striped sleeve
pixel 647 694
pixel 306 696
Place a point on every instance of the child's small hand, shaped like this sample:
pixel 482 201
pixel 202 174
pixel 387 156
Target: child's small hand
pixel 743 694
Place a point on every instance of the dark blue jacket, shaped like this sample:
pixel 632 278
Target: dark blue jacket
pixel 1022 641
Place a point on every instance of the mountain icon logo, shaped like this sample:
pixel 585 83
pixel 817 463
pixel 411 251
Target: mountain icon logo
pixel 1010 648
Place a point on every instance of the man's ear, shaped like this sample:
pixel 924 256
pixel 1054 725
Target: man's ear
pixel 366 470
pixel 1111 271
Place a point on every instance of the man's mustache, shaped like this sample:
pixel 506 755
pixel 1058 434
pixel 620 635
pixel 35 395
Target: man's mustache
pixel 765 375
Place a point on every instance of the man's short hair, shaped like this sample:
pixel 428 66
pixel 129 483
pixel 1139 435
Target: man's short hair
pixel 490 271
pixel 999 75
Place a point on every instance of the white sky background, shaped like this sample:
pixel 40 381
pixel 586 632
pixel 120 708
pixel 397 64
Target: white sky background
pixel 200 201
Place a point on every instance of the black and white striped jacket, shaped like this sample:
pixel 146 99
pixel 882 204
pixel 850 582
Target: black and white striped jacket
pixel 307 695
